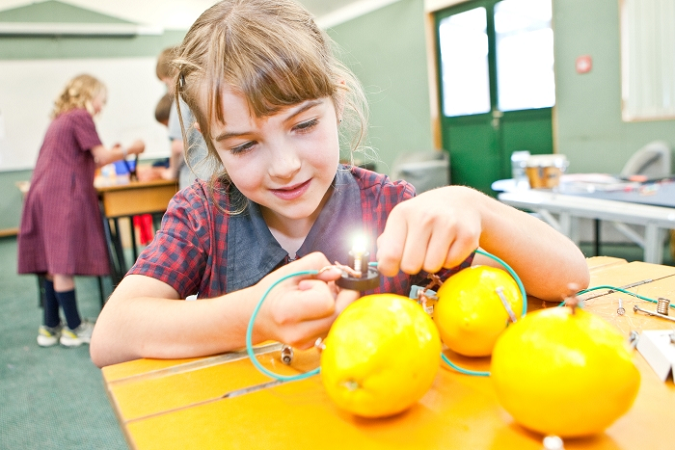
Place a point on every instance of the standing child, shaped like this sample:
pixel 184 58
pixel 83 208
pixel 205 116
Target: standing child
pixel 186 166
pixel 270 100
pixel 61 231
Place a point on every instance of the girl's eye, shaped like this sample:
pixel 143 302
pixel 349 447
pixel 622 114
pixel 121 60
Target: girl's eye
pixel 242 148
pixel 306 126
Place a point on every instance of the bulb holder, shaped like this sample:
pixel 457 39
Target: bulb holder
pixel 368 280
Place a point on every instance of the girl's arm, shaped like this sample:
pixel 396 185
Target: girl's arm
pixel 104 156
pixel 145 318
pixel 440 228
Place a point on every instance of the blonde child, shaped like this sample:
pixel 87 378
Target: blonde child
pixel 61 232
pixel 271 100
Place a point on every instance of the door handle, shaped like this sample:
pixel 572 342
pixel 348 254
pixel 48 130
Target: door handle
pixel 496 118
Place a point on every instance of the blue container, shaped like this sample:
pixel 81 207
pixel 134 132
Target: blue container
pixel 122 169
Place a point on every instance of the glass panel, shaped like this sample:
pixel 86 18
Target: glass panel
pixel 647 59
pixel 525 77
pixel 464 63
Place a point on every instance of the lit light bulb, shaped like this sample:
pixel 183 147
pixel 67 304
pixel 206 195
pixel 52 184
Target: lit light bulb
pixel 358 252
pixel 357 275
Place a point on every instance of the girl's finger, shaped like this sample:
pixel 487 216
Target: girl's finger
pixel 437 250
pixel 390 245
pixel 461 248
pixel 305 334
pixel 314 301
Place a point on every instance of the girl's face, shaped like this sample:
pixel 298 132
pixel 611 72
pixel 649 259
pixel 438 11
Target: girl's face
pixel 99 101
pixel 285 162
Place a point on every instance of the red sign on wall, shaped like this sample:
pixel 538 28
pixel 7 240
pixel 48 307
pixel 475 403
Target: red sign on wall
pixel 584 64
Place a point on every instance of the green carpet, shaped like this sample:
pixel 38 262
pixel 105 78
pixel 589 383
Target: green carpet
pixel 50 398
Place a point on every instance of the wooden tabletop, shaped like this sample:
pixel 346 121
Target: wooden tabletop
pixel 122 197
pixel 180 404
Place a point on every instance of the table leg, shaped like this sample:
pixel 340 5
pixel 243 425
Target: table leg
pixel 134 250
pixel 119 250
pixel 100 291
pixel 596 234
pixel 113 256
pixel 653 244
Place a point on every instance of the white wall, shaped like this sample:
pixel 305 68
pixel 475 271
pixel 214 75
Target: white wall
pixel 28 89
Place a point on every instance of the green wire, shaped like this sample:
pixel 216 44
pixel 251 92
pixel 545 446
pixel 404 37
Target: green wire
pixel 513 274
pixel 612 288
pixel 249 334
pixel 474 373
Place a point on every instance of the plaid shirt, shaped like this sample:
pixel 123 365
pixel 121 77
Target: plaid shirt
pixel 200 249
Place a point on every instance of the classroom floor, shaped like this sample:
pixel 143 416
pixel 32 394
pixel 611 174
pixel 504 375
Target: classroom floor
pixel 53 398
pixel 50 398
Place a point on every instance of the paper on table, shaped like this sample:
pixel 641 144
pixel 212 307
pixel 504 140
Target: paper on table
pixel 594 182
pixel 658 349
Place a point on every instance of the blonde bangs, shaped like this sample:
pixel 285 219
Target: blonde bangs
pixel 271 72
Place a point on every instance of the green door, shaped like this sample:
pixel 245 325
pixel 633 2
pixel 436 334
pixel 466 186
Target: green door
pixel 496 85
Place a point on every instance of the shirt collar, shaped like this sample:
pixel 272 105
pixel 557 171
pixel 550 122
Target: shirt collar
pixel 253 252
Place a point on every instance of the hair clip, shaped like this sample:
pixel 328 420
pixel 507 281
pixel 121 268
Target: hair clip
pixel 181 80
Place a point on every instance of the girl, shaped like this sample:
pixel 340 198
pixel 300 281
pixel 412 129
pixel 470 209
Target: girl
pixel 61 231
pixel 270 100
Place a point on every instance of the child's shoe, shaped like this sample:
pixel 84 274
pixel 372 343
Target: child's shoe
pixel 78 336
pixel 48 336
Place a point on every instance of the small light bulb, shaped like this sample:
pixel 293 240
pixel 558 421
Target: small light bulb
pixel 358 252
pixel 357 275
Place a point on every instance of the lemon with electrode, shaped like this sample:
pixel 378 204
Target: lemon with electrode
pixel 474 307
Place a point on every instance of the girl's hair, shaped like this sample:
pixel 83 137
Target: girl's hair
pixel 274 53
pixel 78 93
pixel 163 109
pixel 165 67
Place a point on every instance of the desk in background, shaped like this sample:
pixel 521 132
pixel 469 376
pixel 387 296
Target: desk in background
pixel 652 206
pixel 123 198
pixel 179 404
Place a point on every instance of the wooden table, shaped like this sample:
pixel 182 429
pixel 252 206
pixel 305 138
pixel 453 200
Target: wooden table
pixel 179 404
pixel 123 198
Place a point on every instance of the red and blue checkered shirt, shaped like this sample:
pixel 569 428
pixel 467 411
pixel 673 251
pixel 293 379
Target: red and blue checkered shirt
pixel 200 249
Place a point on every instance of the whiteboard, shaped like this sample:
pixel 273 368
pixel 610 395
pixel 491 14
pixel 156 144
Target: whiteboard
pixel 28 89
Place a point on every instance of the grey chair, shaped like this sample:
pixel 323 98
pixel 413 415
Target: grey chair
pixel 653 161
pixel 425 170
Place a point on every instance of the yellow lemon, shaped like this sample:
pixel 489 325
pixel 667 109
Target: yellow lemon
pixel 564 374
pixel 381 356
pixel 470 315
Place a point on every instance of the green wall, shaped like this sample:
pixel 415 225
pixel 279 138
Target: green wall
pixel 386 50
pixel 590 130
pixel 13 48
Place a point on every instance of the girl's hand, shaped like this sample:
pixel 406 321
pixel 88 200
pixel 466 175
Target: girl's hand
pixel 301 309
pixel 437 229
pixel 136 148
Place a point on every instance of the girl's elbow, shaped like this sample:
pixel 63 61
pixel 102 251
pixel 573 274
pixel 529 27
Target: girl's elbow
pixel 96 354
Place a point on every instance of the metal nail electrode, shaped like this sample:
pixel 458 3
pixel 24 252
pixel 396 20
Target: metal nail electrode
pixel 621 310
pixel 636 308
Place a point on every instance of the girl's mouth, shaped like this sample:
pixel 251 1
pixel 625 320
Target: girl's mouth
pixel 292 192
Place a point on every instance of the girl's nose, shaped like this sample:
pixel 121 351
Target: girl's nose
pixel 284 163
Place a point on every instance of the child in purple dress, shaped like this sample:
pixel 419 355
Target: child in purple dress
pixel 61 232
